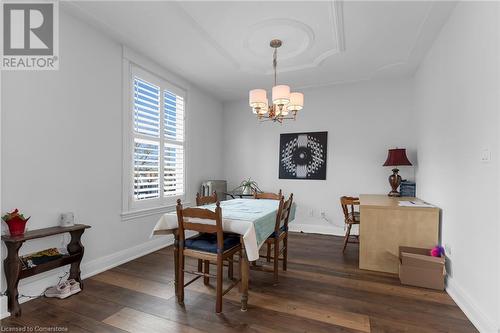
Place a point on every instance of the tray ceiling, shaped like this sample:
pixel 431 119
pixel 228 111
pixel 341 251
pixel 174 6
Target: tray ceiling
pixel 223 47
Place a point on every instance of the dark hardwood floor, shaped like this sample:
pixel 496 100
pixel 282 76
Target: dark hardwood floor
pixel 323 291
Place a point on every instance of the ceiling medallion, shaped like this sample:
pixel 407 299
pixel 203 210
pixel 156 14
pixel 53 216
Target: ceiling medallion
pixel 283 101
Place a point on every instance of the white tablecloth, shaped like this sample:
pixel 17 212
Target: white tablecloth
pixel 246 228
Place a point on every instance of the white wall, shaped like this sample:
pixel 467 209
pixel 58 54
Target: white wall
pixel 62 148
pixel 363 120
pixel 457 111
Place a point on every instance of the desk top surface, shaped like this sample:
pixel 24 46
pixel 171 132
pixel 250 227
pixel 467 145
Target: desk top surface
pixel 385 201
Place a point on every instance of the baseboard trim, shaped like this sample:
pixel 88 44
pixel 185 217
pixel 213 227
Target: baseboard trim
pixel 483 323
pixel 39 284
pixel 316 229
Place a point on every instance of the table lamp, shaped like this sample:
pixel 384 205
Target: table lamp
pixel 396 157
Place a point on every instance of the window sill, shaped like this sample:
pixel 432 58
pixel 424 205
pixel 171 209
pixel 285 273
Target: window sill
pixel 139 213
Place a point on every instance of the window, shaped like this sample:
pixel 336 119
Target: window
pixel 156 143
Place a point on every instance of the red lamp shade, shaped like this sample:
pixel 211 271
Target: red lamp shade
pixel 397 157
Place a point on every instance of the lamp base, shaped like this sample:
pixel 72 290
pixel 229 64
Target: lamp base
pixel 394 181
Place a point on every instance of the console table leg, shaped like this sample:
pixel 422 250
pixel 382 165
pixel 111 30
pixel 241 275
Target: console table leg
pixel 75 246
pixel 12 266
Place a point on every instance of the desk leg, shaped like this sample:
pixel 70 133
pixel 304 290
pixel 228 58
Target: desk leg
pixel 75 246
pixel 12 266
pixel 244 277
pixel 176 264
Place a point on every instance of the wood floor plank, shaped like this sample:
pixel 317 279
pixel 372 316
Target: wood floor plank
pixel 323 291
pixel 86 305
pixel 370 286
pixel 153 288
pixel 199 316
pixel 134 321
pixel 297 308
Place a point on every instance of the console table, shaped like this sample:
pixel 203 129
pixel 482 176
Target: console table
pixel 13 266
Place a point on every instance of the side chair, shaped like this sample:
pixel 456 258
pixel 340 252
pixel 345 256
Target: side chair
pixel 279 235
pixel 211 245
pixel 205 200
pixel 268 195
pixel 351 217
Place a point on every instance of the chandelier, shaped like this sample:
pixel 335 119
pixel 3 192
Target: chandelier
pixel 285 105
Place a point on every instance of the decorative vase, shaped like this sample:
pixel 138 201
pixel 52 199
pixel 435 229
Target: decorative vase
pixel 395 181
pixel 247 190
pixel 17 225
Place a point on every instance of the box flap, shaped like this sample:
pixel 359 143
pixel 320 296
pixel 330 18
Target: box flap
pixel 415 250
pixel 422 261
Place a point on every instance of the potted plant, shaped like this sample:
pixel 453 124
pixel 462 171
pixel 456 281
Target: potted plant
pixel 248 186
pixel 16 222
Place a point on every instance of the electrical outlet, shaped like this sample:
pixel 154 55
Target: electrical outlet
pixel 447 249
pixel 485 155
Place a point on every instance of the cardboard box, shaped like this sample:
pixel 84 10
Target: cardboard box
pixel 418 268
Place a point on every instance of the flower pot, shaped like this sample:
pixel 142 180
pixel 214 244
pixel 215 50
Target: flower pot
pixel 16 225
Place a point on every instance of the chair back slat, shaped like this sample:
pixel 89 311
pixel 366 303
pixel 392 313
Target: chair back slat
pixel 185 215
pixel 283 213
pixel 268 195
pixel 205 200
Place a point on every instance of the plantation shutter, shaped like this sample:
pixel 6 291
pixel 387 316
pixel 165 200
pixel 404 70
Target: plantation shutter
pixel 158 140
pixel 173 167
pixel 146 108
pixel 146 141
pixel 146 169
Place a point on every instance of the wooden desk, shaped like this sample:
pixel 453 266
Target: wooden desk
pixel 385 226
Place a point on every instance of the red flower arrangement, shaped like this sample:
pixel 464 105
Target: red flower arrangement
pixel 16 222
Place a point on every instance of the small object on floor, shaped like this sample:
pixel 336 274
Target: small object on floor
pixel 437 251
pixel 74 286
pixel 418 268
pixel 61 291
pixel 64 289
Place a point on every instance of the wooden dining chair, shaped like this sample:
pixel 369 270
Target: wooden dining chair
pixel 211 245
pixel 202 201
pixel 279 235
pixel 351 217
pixel 268 195
pixel 206 200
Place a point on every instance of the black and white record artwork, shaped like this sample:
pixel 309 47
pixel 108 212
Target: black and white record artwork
pixel 303 155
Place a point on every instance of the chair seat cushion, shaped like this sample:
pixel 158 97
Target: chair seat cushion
pixel 282 229
pixel 208 242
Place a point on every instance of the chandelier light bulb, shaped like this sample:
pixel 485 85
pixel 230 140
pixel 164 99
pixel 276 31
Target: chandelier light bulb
pixel 281 95
pixel 257 98
pixel 296 102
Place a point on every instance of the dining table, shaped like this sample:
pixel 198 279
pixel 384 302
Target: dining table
pixel 253 219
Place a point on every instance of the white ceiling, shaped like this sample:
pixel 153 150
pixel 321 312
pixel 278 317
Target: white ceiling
pixel 224 46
